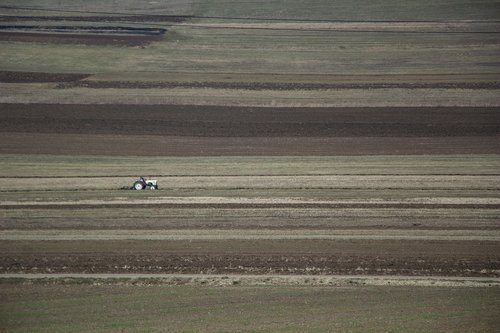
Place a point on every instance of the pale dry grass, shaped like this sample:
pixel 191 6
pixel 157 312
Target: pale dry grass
pixel 396 97
pixel 422 27
pixel 246 234
pixel 18 165
pixel 260 182
pixel 255 280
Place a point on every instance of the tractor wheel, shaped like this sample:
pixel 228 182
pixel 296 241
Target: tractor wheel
pixel 152 187
pixel 138 186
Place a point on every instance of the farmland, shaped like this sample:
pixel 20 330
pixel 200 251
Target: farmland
pixel 322 167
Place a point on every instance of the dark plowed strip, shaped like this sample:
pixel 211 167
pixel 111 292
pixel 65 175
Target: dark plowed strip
pixel 148 145
pixel 100 18
pixel 67 38
pixel 392 257
pixel 84 30
pixel 35 77
pixel 208 121
pixel 278 85
pixel 248 264
pixel 254 206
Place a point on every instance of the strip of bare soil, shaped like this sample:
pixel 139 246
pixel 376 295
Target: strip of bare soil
pixel 150 145
pixel 100 18
pixel 38 77
pixel 311 257
pixel 208 121
pixel 149 279
pixel 254 206
pixel 277 85
pixel 79 38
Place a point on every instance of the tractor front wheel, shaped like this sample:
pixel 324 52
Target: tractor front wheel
pixel 138 186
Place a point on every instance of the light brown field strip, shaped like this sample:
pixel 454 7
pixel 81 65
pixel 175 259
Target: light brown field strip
pixel 219 234
pixel 267 182
pixel 256 201
pixel 233 279
pixel 408 27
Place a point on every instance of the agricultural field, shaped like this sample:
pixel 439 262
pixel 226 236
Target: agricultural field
pixel 321 166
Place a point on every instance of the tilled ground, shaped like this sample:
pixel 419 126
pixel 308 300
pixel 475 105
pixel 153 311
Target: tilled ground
pixel 218 121
pixel 31 77
pixel 278 85
pixel 206 130
pixel 207 121
pixel 314 257
pixel 82 39
pixel 99 18
pixel 172 130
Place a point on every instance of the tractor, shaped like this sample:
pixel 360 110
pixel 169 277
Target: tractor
pixel 142 184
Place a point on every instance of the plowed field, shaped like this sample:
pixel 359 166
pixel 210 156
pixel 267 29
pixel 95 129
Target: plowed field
pixel 322 166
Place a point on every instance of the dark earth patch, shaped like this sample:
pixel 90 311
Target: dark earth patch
pixel 120 36
pixel 370 257
pixel 99 18
pixel 151 145
pixel 253 206
pixel 277 85
pixel 217 121
pixel 38 77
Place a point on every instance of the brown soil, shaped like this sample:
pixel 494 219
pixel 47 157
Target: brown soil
pixel 37 77
pixel 207 222
pixel 77 38
pixel 253 206
pixel 100 18
pixel 168 130
pixel 217 121
pixel 370 257
pixel 149 145
pixel 279 85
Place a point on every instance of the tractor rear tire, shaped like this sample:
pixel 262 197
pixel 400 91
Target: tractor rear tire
pixel 138 186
